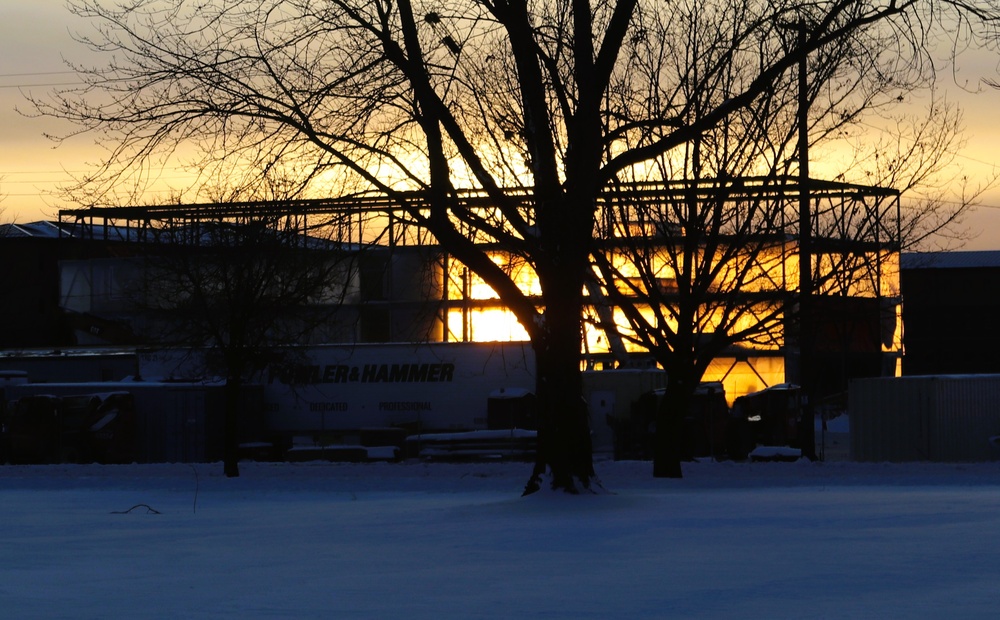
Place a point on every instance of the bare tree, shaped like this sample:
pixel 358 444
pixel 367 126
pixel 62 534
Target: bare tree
pixel 916 153
pixel 487 95
pixel 736 245
pixel 239 289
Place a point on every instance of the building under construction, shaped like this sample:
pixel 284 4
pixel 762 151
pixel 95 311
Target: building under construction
pixel 402 286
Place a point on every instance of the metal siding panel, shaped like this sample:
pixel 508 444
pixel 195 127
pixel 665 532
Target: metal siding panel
pixel 933 418
pixel 859 415
pixel 967 414
pixel 889 419
pixel 863 408
pixel 909 435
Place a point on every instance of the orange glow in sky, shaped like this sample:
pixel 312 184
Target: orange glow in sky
pixel 36 38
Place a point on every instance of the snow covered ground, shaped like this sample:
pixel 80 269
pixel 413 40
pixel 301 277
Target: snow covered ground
pixel 444 540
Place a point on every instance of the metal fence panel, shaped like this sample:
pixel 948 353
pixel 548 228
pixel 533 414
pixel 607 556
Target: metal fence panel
pixel 947 418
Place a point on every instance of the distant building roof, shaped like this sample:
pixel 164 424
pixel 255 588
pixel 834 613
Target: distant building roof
pixel 951 260
pixel 43 229
pixel 108 232
pixel 46 229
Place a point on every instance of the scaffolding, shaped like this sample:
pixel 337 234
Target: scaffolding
pixel 846 221
pixel 843 214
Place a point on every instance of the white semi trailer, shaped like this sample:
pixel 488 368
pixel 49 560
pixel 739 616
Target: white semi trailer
pixel 333 388
pixel 430 387
pixel 337 390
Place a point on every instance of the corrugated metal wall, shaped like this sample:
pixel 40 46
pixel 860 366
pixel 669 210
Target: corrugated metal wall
pixel 947 418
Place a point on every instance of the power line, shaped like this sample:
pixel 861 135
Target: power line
pixel 31 74
pixel 36 73
pixel 974 206
pixel 6 174
pixel 46 84
pixel 7 181
pixel 978 161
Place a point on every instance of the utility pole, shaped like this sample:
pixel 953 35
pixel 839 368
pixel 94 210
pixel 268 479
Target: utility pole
pixel 805 219
pixel 807 325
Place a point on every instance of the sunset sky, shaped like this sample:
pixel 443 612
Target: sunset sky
pixel 36 38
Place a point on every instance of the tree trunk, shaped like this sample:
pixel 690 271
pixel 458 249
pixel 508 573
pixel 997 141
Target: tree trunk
pixel 668 441
pixel 564 442
pixel 230 448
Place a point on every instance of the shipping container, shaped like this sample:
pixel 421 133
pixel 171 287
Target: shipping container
pixel 942 418
pixel 161 422
pixel 70 365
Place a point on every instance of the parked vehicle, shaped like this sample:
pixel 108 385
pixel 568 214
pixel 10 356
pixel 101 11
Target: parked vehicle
pixel 703 427
pixel 771 417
